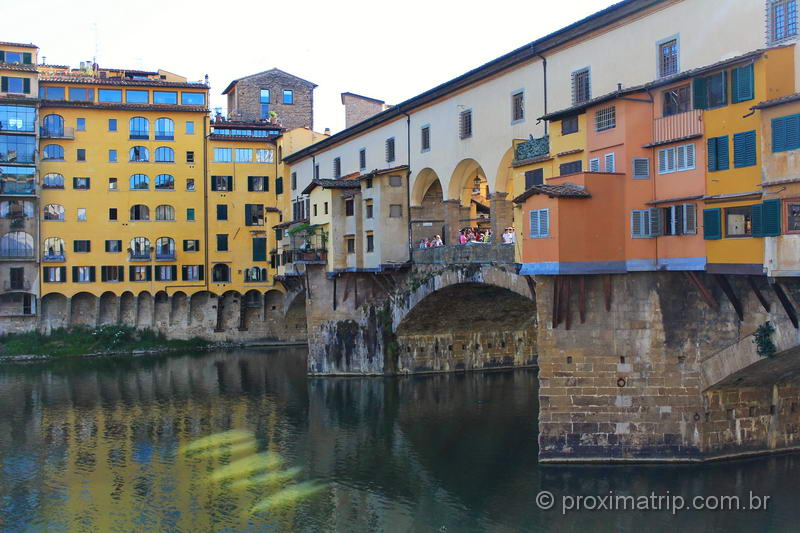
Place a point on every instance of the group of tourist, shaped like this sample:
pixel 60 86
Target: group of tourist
pixel 470 236
pixel 431 243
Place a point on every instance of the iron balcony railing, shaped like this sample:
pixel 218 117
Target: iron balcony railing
pixel 140 256
pixel 54 258
pixel 165 256
pixel 56 133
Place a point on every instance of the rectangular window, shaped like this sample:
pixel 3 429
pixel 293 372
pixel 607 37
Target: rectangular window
pixel 165 97
pixel 222 155
pixel 711 91
pixel 425 138
pixel 82 274
pixel 191 245
pixel 222 212
pixel 222 183
pixel 294 181
pixel 288 96
pixel 641 168
pixel 351 245
pixel 244 155
pixel 676 159
pixel 570 168
pixel 676 100
pixel 368 208
pixel 792 209
pixel 581 86
pixel 81 154
pixel 190 213
pixel 517 106
pixel 782 19
pixel 348 208
pixel 112 273
pixel 744 149
pixel 109 95
pixel 112 184
pixel 717 154
pixel 81 214
pixel 337 168
pixel 193 99
pixel 112 156
pixel 166 272
pixel 140 273
pixel 368 183
pixel 610 162
pixel 668 58
pixel 395 211
pixel 739 221
pixel 192 272
pixel 742 84
pixel 265 156
pixel 189 156
pixel 55 274
pixel 540 223
pixel 257 183
pixel 264 96
pixel 640 224
pixel 534 177
pixel 594 164
pixel 17 118
pixel 189 184
pixel 16 85
pixel 569 125
pixel 80 124
pixel 113 246
pixel 80 184
pixel 81 246
pixel 390 150
pixel 465 124
pixel 326 208
pixel 362 159
pixel 189 129
pixel 79 94
pixel 253 215
pixel 134 96
pixel 278 185
pixel 316 171
pixel 605 119
pixel 370 242
pixel 395 180
pixel 52 93
pixel 222 242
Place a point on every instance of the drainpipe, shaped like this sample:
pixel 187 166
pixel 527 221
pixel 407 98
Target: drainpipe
pixel 206 135
pixel 408 184
pixel 544 77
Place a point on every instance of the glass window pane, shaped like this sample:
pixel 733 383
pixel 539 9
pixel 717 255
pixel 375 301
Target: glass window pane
pixel 137 97
pixel 193 99
pixel 165 97
pixel 109 95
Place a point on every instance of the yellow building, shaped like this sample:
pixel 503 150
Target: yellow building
pixel 123 181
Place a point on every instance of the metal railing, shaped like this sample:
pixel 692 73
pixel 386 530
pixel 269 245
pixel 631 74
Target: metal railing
pixel 56 133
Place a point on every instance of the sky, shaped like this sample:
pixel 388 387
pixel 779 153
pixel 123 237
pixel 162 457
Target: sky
pixel 386 50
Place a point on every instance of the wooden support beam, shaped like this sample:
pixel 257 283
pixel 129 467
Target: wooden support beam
pixel 786 303
pixel 704 292
pixel 725 285
pixel 751 280
pixel 607 290
pixel 556 308
pixel 582 299
pixel 308 286
pixel 568 291
pixel 531 287
pixel 334 292
pixel 346 288
pixel 381 282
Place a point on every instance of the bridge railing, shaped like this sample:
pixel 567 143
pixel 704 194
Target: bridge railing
pixel 465 253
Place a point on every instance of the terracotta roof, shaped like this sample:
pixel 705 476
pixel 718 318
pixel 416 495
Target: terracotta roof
pixel 96 80
pixel 565 190
pixel 19 67
pixel 128 107
pixel 332 184
pixel 21 45
pixel 237 80
pixel 255 124
pixel 777 101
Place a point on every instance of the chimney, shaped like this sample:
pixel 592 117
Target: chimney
pixel 327 131
pixel 358 108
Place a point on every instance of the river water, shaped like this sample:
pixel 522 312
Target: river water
pixel 98 445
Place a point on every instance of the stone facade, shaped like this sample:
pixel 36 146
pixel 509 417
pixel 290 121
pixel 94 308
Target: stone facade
pixel 358 108
pixel 244 98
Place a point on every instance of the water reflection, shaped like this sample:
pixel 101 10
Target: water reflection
pixel 96 445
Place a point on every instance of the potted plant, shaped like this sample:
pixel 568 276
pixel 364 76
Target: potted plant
pixel 273 117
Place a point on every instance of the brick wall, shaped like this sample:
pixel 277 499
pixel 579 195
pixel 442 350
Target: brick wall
pixel 248 94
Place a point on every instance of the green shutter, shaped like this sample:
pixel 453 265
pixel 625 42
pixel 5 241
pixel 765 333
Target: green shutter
pixel 779 134
pixel 174 269
pixel 27 58
pixel 91 274
pixel 711 154
pixel 712 224
pixel 723 154
pixel 149 271
pixel 4 84
pixel 771 213
pixel 131 273
pixel 742 84
pixel 26 85
pixel 103 273
pixel 757 220
pixel 735 85
pixel 259 249
pixel 201 272
pixel 74 274
pixel 2 57
pixel 278 185
pixel 700 94
pixel 792 132
pixel 744 149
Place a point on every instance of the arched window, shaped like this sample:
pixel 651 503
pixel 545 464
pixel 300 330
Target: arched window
pixel 165 248
pixel 53 126
pixel 165 129
pixel 16 209
pixel 16 244
pixel 139 154
pixel 54 212
pixel 54 249
pixel 140 248
pixel 221 273
pixel 53 152
pixel 165 212
pixel 53 181
pixel 165 182
pixel 139 128
pixel 139 182
pixel 165 154
pixel 140 212
pixel 255 274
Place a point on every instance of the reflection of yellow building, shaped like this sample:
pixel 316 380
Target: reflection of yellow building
pixel 122 177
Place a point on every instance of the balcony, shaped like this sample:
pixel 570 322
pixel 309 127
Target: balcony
pixel 165 256
pixel 678 127
pixel 140 255
pixel 532 149
pixel 56 133
pixel 13 187
pixel 54 258
pixel 10 286
pixel 16 255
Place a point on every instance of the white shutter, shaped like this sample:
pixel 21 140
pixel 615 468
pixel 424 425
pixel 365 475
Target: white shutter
pixel 662 161
pixel 670 159
pixel 677 220
pixel 594 165
pixel 610 163
pixel 641 168
pixel 534 224
pixel 690 218
pixel 544 222
pixel 655 221
pixel 636 223
pixel 681 157
pixel 689 148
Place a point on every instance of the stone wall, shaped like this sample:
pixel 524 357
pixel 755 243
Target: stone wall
pixel 359 108
pixel 244 101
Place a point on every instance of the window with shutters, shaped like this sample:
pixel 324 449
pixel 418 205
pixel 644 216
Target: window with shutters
pixel 676 100
pixel 362 159
pixel 113 246
pixel 782 19
pixel 191 245
pixel 9 84
pixel 581 86
pixel 569 125
pixel 718 154
pixel 792 215
pixel 337 168
pixel 368 208
pixel 534 177
pixel 744 149
pixel 221 273
pixel 594 164
pixel 668 58
pixel 570 168
pixel 640 224
pixel 55 274
pixel 739 221
pixel 349 208
pixel 540 223
pixel 389 150
pixel 255 274
pixel 605 119
pixel 253 215
pixel 192 272
pixel 278 185
pixel 610 162
pixel 222 183
pixel 425 137
pixel 222 242
pixel 641 168
pixel 786 133
pixel 257 183
pixel 711 91
pixel 465 124
pixel 678 220
pixel 82 246
pixel 742 84
pixel 82 274
pixel 259 248
pixel 113 274
pixel 517 107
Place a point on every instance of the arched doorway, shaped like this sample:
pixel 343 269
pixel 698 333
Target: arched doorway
pixel 427 208
pixel 469 194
